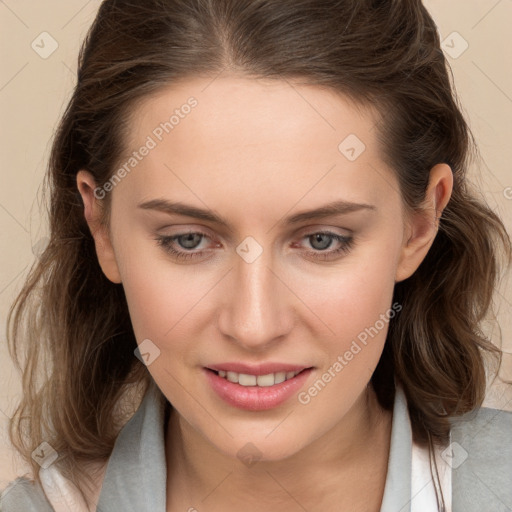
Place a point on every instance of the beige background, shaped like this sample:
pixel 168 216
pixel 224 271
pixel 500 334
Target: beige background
pixel 34 92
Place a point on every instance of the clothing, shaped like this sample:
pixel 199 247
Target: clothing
pixel 476 467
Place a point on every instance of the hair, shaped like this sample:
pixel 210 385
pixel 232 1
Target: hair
pixel 72 324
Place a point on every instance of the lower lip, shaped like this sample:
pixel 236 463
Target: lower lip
pixel 255 398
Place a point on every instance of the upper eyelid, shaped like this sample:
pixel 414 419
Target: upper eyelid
pixel 312 230
pixel 304 231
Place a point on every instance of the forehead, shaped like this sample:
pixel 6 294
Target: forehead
pixel 238 111
pixel 254 135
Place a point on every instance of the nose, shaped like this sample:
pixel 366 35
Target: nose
pixel 257 308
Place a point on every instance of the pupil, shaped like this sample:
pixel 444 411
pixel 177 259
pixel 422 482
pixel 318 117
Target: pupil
pixel 318 238
pixel 190 240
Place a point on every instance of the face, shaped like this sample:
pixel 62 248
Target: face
pixel 259 233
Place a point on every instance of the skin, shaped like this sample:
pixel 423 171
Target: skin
pixel 256 152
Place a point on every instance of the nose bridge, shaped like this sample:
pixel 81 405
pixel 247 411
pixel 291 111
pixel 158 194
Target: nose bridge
pixel 255 311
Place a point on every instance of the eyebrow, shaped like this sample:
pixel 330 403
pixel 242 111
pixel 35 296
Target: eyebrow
pixel 177 208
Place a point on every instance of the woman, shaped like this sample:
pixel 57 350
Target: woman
pixel 261 227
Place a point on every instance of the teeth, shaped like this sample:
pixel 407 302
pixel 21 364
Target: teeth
pixel 279 377
pixel 232 377
pixel 257 380
pixel 266 380
pixel 247 380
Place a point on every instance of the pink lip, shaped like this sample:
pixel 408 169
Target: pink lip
pixel 255 398
pixel 257 369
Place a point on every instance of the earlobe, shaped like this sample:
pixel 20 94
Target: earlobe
pixel 423 225
pixel 92 213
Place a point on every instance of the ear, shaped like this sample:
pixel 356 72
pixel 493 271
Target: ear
pixel 92 212
pixel 422 226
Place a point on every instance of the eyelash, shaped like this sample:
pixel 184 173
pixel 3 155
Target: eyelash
pixel 346 242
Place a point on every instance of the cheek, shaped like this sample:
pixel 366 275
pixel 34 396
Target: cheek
pixel 357 309
pixel 359 319
pixel 141 280
pixel 353 296
pixel 158 298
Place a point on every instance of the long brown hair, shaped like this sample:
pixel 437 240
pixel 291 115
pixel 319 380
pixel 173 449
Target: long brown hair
pixel 71 324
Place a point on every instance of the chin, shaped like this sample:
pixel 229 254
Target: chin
pixel 258 448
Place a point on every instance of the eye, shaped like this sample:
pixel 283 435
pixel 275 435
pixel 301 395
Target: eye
pixel 322 240
pixel 187 241
pixel 182 245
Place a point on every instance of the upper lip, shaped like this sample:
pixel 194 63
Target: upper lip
pixel 257 369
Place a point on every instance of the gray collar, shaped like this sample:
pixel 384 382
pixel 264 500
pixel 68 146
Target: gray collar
pixel 136 473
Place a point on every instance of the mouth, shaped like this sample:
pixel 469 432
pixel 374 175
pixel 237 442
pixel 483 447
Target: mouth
pixel 262 381
pixel 256 388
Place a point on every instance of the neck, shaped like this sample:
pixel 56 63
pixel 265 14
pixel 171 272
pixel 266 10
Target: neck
pixel 335 464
